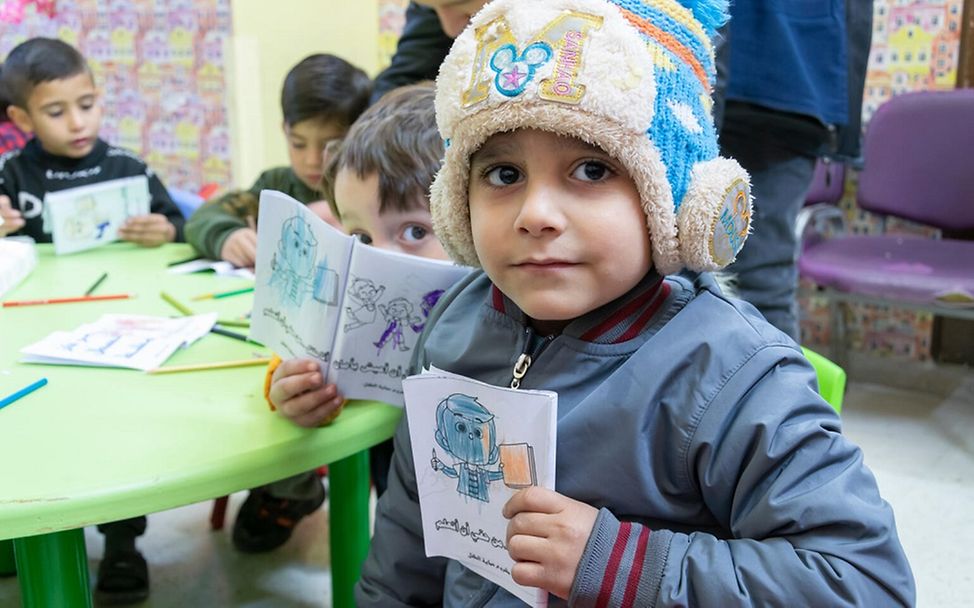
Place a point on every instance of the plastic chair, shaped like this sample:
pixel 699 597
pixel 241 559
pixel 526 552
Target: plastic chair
pixel 188 202
pixel 824 193
pixel 831 379
pixel 918 154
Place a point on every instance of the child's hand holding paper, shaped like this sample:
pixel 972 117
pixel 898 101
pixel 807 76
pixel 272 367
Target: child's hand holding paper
pixel 300 394
pixel 149 230
pixel 11 220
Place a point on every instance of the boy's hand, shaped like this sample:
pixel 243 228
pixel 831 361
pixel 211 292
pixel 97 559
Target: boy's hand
pixel 150 230
pixel 11 220
pixel 300 394
pixel 240 248
pixel 546 538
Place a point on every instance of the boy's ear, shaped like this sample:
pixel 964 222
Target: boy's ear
pixel 21 118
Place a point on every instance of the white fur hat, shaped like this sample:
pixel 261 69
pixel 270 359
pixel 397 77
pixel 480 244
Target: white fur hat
pixel 632 77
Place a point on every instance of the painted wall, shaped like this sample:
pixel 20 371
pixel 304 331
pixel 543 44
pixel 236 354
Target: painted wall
pixel 268 39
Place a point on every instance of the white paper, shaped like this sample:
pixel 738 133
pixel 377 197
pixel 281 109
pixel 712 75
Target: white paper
pixel 458 427
pixel 130 341
pixel 18 258
pixel 90 216
pixel 357 309
pixel 220 267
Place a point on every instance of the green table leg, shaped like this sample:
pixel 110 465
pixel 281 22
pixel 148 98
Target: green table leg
pixel 348 502
pixel 7 566
pixel 53 570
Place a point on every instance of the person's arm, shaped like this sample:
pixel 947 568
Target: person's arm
pixel 212 224
pixel 421 49
pixel 806 519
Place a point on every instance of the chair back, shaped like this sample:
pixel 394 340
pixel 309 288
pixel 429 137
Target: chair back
pixel 827 184
pixel 919 159
pixel 831 379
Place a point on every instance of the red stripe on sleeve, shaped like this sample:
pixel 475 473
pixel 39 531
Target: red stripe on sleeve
pixel 612 569
pixel 632 583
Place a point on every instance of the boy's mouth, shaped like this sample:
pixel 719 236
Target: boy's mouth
pixel 81 142
pixel 545 264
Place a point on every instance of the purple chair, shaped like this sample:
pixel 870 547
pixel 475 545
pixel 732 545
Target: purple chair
pixel 824 193
pixel 919 165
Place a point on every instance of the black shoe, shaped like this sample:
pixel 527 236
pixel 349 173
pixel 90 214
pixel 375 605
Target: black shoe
pixel 264 522
pixel 123 578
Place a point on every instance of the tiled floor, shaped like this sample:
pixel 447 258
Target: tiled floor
pixel 919 444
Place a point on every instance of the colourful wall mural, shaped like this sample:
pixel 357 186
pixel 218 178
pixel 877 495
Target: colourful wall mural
pixel 160 64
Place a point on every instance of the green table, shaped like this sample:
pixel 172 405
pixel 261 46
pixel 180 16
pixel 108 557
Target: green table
pixel 98 444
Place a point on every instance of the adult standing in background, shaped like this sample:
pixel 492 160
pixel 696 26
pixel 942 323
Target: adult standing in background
pixel 790 77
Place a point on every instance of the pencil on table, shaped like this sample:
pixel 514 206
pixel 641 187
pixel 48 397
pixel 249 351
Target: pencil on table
pixel 95 285
pixel 30 388
pixel 175 303
pixel 206 366
pixel 117 296
pixel 222 294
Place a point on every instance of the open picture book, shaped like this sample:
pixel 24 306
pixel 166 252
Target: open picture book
pixel 90 216
pixel 474 445
pixel 323 294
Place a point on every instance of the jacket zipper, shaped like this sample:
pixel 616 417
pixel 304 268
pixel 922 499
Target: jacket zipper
pixel 526 358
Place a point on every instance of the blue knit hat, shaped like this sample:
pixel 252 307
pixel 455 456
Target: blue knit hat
pixel 632 77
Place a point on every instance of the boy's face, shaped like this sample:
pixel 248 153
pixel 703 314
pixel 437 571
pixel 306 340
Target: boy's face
pixel 306 143
pixel 557 224
pixel 64 115
pixel 409 232
pixel 454 15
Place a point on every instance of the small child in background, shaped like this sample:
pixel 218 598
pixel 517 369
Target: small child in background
pixel 697 465
pixel 52 95
pixel 321 97
pixel 11 138
pixel 377 181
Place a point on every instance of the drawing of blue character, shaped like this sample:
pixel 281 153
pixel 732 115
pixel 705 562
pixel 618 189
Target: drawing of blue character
pixel 366 294
pixel 398 315
pixel 465 430
pixel 294 262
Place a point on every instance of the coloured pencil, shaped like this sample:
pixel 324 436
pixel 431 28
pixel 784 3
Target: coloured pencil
pixel 95 285
pixel 186 261
pixel 230 334
pixel 222 294
pixel 175 303
pixel 206 366
pixel 22 392
pixel 117 296
pixel 234 322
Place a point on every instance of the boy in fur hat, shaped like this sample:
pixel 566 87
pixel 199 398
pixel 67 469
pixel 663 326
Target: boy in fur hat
pixel 696 462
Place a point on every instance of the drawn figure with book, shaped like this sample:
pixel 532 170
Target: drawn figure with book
pixel 465 430
pixel 294 261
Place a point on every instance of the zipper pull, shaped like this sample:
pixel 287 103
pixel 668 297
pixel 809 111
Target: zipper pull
pixel 520 368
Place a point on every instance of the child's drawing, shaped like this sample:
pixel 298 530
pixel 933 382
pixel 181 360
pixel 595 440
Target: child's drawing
pixel 326 284
pixel 88 224
pixel 398 314
pixel 293 263
pixel 465 430
pixel 365 294
pixel 89 216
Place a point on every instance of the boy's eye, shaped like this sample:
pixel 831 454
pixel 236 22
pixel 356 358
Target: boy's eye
pixel 55 113
pixel 414 233
pixel 363 238
pixel 592 171
pixel 504 175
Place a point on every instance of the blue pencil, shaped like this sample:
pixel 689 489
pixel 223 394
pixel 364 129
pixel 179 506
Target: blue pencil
pixel 24 391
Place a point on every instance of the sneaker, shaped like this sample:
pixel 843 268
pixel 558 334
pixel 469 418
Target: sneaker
pixel 264 522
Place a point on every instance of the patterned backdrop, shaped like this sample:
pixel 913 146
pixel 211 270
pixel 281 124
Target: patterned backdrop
pixel 161 66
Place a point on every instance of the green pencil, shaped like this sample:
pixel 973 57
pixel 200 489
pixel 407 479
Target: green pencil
pixel 175 303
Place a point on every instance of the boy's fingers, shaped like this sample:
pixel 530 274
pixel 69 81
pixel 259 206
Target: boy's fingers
pixel 534 499
pixel 524 548
pixel 530 574
pixel 290 367
pixel 527 524
pixel 293 385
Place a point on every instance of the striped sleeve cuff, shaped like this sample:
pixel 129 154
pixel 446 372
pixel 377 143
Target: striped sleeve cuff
pixel 622 565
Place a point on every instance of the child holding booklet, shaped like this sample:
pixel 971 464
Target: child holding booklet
pixel 378 181
pixel 696 463
pixel 53 95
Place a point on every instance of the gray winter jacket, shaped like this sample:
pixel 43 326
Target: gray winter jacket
pixel 721 476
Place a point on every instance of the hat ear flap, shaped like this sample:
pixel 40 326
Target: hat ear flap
pixel 715 217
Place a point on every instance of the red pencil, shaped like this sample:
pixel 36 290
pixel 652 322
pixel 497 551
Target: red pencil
pixel 117 296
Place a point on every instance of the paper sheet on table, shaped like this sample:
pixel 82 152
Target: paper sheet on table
pixel 130 341
pixel 221 268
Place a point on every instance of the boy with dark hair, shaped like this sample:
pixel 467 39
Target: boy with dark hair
pixel 53 95
pixel 697 465
pixel 321 97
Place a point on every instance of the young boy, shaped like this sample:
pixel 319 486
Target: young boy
pixel 322 96
pixel 378 182
pixel 696 463
pixel 53 95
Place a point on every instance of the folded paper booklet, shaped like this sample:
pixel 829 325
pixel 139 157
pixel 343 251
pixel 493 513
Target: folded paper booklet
pixel 18 258
pixel 132 341
pixel 90 216
pixel 474 445
pixel 323 294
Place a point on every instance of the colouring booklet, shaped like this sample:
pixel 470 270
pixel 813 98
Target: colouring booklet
pixel 323 294
pixel 133 341
pixel 90 216
pixel 474 445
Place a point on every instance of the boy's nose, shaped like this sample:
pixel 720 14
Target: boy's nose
pixel 75 120
pixel 540 211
